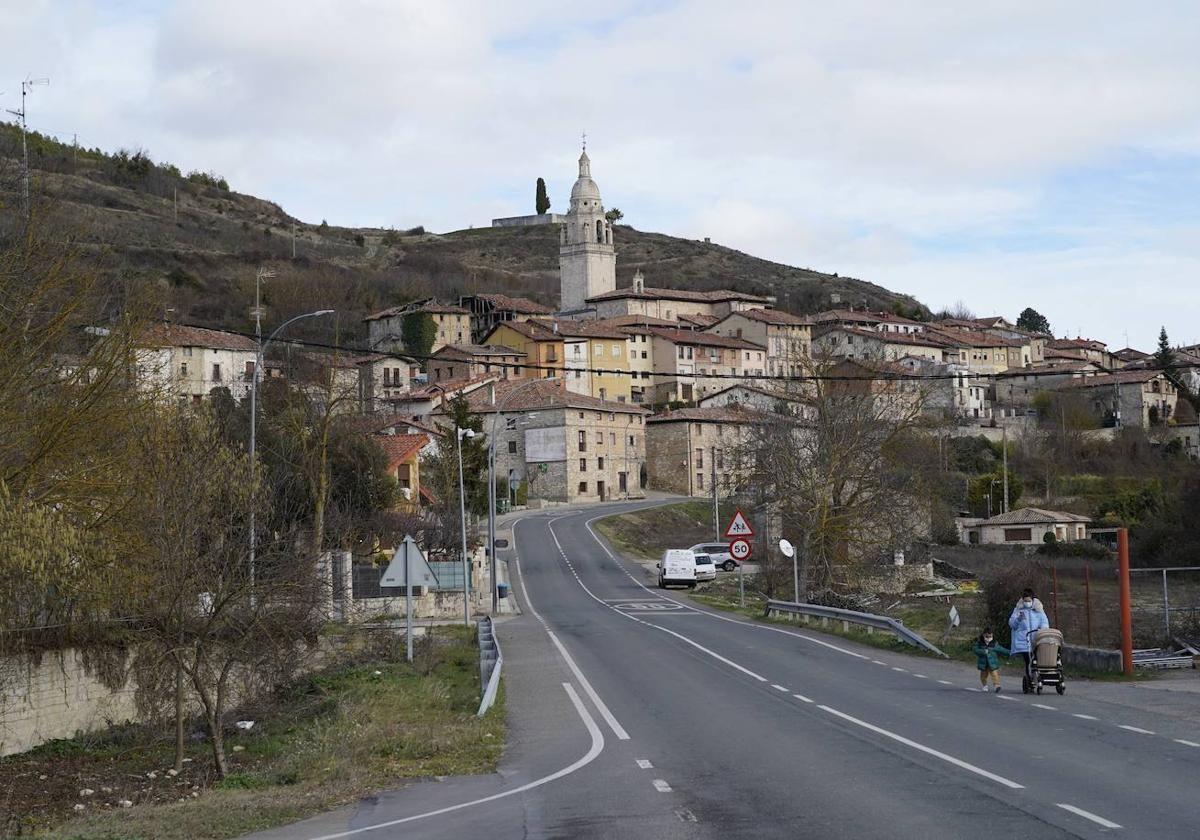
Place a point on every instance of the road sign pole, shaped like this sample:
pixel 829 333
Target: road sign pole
pixel 408 628
pixel 742 583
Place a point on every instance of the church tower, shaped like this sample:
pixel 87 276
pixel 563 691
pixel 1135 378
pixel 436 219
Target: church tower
pixel 587 260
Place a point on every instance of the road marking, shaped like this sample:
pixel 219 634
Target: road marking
pixel 957 762
pixel 779 688
pixel 1044 706
pixel 617 729
pixel 1005 696
pixel 1186 743
pixel 1088 815
pixel 801 697
pixel 877 662
pixel 901 670
pixel 1136 729
pixel 921 676
pixel 1084 717
pixel 595 750
pixel 945 682
pixel 685 815
pixel 661 786
pixel 645 764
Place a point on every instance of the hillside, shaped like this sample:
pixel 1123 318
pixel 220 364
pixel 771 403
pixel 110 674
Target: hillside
pixel 194 246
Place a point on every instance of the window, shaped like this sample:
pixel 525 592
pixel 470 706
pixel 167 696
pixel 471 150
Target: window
pixel 583 441
pixel 512 447
pixel 187 351
pixel 612 438
pixel 643 354
pixel 510 423
pixel 249 369
pixel 583 464
pixel 216 373
pixel 689 352
pixel 599 463
pixel 681 351
pixel 699 481
pixel 599 438
pixel 598 350
pixel 183 369
pixel 1018 535
pixel 616 350
pixel 603 393
pixel 699 458
pixel 583 487
pixel 404 475
pixel 578 348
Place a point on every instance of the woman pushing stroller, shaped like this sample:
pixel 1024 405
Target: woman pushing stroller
pixel 1027 618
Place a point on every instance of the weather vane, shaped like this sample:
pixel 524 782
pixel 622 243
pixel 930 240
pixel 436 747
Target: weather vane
pixel 585 141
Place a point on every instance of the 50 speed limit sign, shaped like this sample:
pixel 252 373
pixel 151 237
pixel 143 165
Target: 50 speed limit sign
pixel 740 550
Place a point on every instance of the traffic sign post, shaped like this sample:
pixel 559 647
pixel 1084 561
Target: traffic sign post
pixel 740 549
pixel 740 532
pixel 739 527
pixel 408 564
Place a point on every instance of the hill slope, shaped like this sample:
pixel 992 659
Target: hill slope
pixel 195 245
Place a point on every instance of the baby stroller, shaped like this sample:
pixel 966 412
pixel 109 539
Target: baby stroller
pixel 1045 662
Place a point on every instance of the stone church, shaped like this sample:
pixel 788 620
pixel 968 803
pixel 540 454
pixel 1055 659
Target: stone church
pixel 587 258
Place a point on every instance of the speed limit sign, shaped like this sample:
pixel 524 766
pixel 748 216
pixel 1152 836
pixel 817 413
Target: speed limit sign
pixel 740 550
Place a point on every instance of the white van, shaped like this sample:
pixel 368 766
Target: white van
pixel 678 566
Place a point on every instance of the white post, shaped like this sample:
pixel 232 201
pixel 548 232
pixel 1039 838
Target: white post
pixel 408 623
pixel 462 509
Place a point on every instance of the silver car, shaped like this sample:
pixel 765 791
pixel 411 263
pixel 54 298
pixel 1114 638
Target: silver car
pixel 719 552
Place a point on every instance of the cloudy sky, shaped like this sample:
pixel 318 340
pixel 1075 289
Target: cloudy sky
pixel 1004 154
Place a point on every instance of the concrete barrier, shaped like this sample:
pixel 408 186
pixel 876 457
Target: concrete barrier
pixel 1094 659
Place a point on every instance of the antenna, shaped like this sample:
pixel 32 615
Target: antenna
pixel 25 86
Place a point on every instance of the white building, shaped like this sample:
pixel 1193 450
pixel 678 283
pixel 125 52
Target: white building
pixel 587 259
pixel 189 363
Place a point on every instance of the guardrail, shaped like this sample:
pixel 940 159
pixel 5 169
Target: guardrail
pixel 491 660
pixel 848 617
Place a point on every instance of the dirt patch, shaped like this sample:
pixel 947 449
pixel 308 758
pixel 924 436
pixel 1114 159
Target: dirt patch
pixel 646 534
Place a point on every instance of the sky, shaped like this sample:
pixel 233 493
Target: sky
pixel 1005 155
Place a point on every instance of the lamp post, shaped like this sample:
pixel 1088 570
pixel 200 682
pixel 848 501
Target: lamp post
pixel 258 361
pixel 462 511
pixel 492 484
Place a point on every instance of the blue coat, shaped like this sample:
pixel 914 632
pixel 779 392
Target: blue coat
pixel 987 660
pixel 1023 621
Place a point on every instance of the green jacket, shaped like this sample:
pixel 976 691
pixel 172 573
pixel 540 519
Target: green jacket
pixel 987 660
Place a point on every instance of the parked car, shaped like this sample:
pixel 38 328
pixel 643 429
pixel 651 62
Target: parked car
pixel 705 568
pixel 677 566
pixel 719 552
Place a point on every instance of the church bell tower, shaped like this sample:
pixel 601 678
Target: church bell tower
pixel 587 259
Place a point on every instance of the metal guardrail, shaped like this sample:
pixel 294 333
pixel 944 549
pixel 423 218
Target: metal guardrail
pixel 491 660
pixel 848 617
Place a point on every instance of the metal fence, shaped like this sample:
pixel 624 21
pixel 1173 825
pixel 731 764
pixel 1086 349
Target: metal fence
pixel 848 617
pixel 364 580
pixel 491 660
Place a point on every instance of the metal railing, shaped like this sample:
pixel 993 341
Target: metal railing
pixel 491 660
pixel 848 617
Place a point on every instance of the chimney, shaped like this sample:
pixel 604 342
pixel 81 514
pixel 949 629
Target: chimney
pixel 492 392
pixel 639 282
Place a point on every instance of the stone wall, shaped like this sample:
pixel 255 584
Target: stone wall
pixel 528 221
pixel 1094 659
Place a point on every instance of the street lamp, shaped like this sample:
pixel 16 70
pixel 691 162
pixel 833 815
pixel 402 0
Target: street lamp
pixel 492 484
pixel 258 362
pixel 991 489
pixel 462 511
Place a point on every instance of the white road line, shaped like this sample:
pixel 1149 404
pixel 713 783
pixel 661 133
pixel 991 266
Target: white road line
pixel 1084 717
pixel 1006 697
pixel 645 764
pixel 945 682
pixel 779 688
pixel 661 786
pixel 617 729
pixel 1044 706
pixel 1186 743
pixel 1088 815
pixel 957 762
pixel 901 670
pixel 877 662
pixel 921 676
pixel 595 750
pixel 1136 729
pixel 802 697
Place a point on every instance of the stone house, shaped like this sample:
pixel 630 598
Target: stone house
pixel 383 377
pixel 419 404
pixel 952 391
pixel 490 310
pixel 1089 348
pixel 1025 526
pixel 386 328
pixel 1138 398
pixel 761 398
pixel 1017 389
pixel 786 337
pixel 690 364
pixel 469 361
pixel 541 348
pixel 669 304
pixel 686 447
pixel 555 446
pixel 189 363
pixel 983 352
pixel 856 342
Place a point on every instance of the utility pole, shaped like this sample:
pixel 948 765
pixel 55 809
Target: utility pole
pixel 1004 456
pixel 25 86
pixel 293 240
pixel 716 504
pixel 462 511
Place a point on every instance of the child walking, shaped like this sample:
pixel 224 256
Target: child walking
pixel 988 663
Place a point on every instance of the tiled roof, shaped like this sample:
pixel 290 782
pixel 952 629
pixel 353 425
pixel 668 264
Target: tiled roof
pixel 831 316
pixel 1076 344
pixel 1034 516
pixel 766 392
pixel 541 393
pixel 1128 354
pixel 521 305
pixel 569 328
pixel 716 414
pixel 698 320
pixel 971 338
pixel 449 389
pixel 177 335
pixel 636 323
pixel 773 316
pixel 929 338
pixel 432 307
pixel 399 448
pixel 704 339
pixel 648 293
pixel 460 351
pixel 1121 377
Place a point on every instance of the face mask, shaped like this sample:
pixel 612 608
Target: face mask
pixel 1028 603
pixel 987 640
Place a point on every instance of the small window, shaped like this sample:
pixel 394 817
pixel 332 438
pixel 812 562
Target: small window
pixel 583 464
pixel 616 350
pixel 512 447
pixel 216 373
pixel 699 481
pixel 612 438
pixel 599 463
pixel 583 487
pixel 187 351
pixel 183 369
pixel 510 423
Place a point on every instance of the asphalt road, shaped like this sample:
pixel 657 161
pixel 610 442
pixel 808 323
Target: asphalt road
pixel 635 714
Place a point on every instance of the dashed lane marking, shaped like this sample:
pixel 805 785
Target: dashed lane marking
pixel 1083 716
pixel 921 676
pixel 1088 815
pixel 1044 706
pixel 802 697
pixel 1136 729
pixel 685 815
pixel 779 688
pixel 901 670
pixel 1186 743
pixel 645 764
pixel 661 786
pixel 945 682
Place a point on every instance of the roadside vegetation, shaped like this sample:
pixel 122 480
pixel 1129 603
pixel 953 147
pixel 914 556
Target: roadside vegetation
pixel 317 743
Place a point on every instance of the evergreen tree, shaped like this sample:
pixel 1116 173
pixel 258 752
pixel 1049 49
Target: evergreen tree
pixel 1164 356
pixel 418 332
pixel 1034 321
pixel 542 202
pixel 614 215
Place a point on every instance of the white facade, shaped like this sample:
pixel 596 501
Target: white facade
pixel 577 373
pixel 192 371
pixel 587 259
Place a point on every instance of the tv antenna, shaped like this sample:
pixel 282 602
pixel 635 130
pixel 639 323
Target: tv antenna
pixel 25 86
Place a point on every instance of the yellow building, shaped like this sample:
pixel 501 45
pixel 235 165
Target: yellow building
pixel 592 358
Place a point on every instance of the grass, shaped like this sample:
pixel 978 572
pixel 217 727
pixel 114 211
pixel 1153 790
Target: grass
pixel 646 534
pixel 334 738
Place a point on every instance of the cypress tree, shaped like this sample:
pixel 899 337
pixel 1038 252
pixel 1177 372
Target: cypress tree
pixel 542 201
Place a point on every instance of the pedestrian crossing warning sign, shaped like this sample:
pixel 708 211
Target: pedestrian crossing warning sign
pixel 739 527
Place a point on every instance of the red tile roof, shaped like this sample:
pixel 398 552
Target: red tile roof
pixel 523 306
pixel 772 316
pixel 715 414
pixel 541 393
pixel 432 307
pixel 177 335
pixel 648 293
pixel 1121 377
pixel 704 339
pixel 400 448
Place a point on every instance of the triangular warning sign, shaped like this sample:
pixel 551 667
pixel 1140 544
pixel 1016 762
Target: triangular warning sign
pixel 739 527
pixel 408 557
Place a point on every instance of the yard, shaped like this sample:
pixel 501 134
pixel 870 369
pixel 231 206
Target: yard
pixel 328 740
